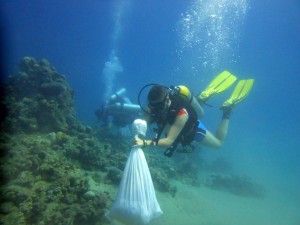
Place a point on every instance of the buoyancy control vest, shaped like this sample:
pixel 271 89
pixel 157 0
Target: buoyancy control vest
pixel 181 98
pixel 187 134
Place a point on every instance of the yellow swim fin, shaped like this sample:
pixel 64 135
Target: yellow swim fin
pixel 240 92
pixel 220 83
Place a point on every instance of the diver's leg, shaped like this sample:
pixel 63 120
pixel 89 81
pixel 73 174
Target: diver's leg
pixel 217 141
pixel 211 141
pixel 222 130
pixel 202 112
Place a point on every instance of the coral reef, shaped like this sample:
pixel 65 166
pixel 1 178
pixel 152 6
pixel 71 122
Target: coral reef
pixel 220 164
pixel 43 151
pixel 42 186
pixel 235 184
pixel 55 170
pixel 38 99
pixel 38 166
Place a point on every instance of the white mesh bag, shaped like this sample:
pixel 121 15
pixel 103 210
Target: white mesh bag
pixel 136 202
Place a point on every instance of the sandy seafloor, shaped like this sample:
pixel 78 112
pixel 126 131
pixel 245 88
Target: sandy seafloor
pixel 203 206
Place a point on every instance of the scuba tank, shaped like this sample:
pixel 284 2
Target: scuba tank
pixel 181 91
pixel 185 94
pixel 117 95
pixel 130 108
pixel 117 104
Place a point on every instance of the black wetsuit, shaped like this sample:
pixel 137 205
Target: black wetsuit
pixel 187 134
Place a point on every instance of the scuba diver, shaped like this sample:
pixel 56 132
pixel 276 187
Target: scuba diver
pixel 177 112
pixel 118 111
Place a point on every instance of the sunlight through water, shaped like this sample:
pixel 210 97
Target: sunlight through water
pixel 209 33
pixel 113 65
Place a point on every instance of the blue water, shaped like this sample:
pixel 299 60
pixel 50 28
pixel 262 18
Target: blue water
pixel 178 42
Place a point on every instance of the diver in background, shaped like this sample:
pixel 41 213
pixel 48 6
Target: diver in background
pixel 177 112
pixel 118 111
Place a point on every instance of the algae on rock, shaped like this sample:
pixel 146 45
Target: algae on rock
pixel 39 99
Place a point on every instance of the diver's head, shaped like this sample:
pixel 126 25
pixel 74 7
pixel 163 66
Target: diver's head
pixel 159 100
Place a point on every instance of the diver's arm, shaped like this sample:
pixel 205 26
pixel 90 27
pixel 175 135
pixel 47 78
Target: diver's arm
pixel 173 133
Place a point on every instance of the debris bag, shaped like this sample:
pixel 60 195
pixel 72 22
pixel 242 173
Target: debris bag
pixel 136 202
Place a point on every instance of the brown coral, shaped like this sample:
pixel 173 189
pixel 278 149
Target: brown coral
pixel 39 99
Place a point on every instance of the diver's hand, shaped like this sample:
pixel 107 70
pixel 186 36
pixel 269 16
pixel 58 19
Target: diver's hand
pixel 138 142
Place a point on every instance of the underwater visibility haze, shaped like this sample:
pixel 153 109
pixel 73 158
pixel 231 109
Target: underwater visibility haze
pixel 62 60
